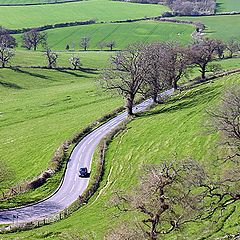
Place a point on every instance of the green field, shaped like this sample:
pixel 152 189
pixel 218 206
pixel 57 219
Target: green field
pixel 228 5
pixel 157 135
pixel 19 2
pixel 42 108
pixel 221 27
pixel 101 10
pixel 123 34
pixel 89 59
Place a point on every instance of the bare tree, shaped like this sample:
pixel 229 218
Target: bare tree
pixel 111 45
pixel 126 74
pixel 203 53
pixel 75 61
pixel 170 196
pixel 33 38
pixel 6 39
pixel 101 45
pixel 220 50
pixel 233 46
pixel 226 120
pixel 174 63
pixel 84 43
pixel 155 81
pixel 164 198
pixel 51 57
pixel 6 55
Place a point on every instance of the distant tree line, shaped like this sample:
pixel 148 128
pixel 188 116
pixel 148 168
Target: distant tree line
pixel 192 7
pixel 183 7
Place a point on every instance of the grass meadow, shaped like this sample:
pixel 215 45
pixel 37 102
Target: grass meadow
pixel 123 34
pixel 169 131
pixel 15 17
pixel 220 27
pixel 40 109
pixel 228 5
pixel 20 2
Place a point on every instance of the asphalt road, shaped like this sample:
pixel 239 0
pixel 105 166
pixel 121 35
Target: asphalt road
pixel 73 186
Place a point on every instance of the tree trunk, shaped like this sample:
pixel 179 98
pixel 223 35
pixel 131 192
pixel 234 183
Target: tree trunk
pixel 153 233
pixel 203 72
pixel 155 98
pixel 35 47
pixel 175 86
pixel 129 105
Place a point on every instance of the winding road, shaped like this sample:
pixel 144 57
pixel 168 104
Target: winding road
pixel 72 186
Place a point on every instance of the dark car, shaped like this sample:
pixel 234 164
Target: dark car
pixel 83 172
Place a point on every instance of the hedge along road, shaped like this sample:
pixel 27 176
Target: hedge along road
pixel 72 186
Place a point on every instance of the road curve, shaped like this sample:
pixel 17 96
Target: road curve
pixel 72 186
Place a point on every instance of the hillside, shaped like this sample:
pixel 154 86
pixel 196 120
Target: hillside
pixel 44 105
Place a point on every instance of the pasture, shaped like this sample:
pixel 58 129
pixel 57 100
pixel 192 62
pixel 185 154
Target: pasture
pixel 220 27
pixel 123 34
pixel 228 5
pixel 16 17
pixel 40 109
pixel 32 2
pixel 173 130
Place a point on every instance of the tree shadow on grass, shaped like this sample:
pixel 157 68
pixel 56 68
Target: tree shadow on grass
pixel 198 97
pixel 37 75
pixel 75 73
pixel 10 85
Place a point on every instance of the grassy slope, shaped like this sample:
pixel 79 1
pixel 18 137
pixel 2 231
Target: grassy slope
pixel 228 5
pixel 39 110
pixel 159 134
pixel 102 10
pixel 221 27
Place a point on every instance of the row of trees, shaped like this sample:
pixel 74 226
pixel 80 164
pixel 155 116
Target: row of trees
pixel 183 7
pixel 85 42
pixel 150 69
pixel 173 194
pixel 34 38
pixel 192 7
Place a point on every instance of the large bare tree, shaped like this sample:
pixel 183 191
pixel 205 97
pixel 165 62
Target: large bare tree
pixel 155 81
pixel 174 63
pixel 164 199
pixel 170 196
pixel 203 53
pixel 126 74
pixel 226 120
pixel 33 38
pixel 6 39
